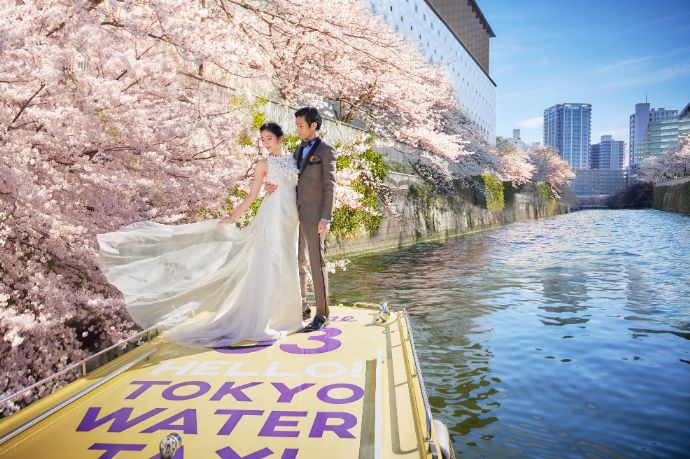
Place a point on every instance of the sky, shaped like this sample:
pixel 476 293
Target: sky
pixel 610 54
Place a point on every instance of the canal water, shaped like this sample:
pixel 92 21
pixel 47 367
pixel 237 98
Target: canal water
pixel 563 337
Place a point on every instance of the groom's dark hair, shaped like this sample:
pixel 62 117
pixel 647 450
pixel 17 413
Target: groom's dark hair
pixel 310 115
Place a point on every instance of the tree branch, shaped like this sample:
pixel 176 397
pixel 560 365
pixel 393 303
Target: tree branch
pixel 24 105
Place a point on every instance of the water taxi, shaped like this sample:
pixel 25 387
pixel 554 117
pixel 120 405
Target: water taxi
pixel 351 390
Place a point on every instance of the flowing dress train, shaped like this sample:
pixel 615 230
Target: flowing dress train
pixel 208 284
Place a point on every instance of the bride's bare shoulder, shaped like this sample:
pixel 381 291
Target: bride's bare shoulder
pixel 262 165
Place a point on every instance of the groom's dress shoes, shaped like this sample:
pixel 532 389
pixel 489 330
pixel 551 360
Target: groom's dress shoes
pixel 318 323
pixel 306 314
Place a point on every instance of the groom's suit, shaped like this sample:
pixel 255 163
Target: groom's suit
pixel 315 202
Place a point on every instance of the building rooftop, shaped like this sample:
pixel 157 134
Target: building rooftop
pixel 685 112
pixel 483 18
pixel 466 22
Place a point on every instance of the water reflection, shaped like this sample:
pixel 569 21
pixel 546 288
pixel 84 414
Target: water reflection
pixel 566 337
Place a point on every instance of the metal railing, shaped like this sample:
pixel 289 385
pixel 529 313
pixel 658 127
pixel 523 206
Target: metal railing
pixel 43 415
pixel 82 363
pixel 378 409
pixel 178 316
pixel 418 370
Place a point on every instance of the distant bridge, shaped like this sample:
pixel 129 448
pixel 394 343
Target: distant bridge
pixel 590 206
pixel 596 201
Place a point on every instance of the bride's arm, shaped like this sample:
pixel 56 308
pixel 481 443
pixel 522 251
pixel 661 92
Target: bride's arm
pixel 259 174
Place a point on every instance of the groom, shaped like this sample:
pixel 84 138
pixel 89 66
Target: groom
pixel 315 199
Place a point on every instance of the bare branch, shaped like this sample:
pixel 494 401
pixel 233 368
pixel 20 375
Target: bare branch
pixel 24 105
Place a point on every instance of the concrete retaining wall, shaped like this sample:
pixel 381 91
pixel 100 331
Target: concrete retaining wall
pixel 673 196
pixel 427 217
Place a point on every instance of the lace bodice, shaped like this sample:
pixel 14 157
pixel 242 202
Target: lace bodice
pixel 282 169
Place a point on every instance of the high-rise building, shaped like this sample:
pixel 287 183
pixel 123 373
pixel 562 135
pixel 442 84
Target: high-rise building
pixel 453 34
pixel 639 125
pixel 684 121
pixel 567 128
pixel 638 130
pixel 517 140
pixel 663 133
pixel 607 154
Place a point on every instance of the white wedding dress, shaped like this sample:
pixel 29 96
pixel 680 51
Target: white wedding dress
pixel 208 284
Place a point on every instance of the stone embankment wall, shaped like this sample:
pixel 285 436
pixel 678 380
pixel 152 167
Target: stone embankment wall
pixel 673 196
pixel 424 216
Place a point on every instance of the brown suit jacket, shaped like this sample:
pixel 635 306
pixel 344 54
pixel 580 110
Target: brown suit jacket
pixel 316 184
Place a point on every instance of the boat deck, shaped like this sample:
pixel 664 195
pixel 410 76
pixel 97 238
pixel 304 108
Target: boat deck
pixel 342 392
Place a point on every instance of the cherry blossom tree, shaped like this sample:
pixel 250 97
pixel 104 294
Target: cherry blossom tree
pixel 104 120
pixel 550 168
pixel 343 58
pixel 515 165
pixel 97 130
pixel 675 163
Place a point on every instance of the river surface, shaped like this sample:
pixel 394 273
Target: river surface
pixel 563 337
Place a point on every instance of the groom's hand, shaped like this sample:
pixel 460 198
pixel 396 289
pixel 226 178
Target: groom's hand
pixel 270 187
pixel 324 227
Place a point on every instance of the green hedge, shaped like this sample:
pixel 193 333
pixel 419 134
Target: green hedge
pixel 492 197
pixel 543 190
pixel 348 222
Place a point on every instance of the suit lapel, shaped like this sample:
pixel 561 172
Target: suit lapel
pixel 312 150
pixel 298 151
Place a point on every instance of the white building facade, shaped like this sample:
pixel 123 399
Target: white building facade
pixel 436 28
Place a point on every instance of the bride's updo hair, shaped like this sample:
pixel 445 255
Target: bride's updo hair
pixel 273 128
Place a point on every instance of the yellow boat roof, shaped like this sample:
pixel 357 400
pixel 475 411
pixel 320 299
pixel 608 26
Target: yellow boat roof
pixel 347 391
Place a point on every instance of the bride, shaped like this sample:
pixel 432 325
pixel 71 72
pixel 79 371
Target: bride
pixel 211 284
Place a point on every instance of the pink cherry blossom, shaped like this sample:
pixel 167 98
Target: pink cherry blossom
pixel 550 168
pixel 115 112
pixel 675 163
